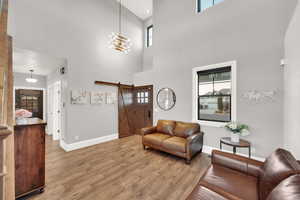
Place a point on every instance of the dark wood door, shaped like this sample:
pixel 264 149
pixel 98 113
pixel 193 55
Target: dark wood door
pixel 143 107
pixel 31 100
pixel 135 109
pixel 125 105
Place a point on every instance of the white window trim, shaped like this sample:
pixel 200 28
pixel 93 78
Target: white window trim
pixel 233 93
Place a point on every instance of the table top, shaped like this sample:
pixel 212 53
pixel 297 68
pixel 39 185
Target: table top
pixel 29 122
pixel 242 143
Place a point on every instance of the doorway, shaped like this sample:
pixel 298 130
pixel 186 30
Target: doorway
pixel 54 110
pixel 30 99
pixel 135 109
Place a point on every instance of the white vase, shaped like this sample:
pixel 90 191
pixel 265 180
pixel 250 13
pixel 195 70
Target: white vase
pixel 235 138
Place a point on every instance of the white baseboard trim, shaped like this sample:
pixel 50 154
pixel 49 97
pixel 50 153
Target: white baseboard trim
pixel 87 143
pixel 209 149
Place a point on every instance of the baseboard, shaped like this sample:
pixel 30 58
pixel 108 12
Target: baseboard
pixel 209 149
pixel 87 143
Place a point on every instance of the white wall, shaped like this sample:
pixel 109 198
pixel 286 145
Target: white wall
pixel 20 81
pixel 250 32
pixel 78 31
pixel 292 85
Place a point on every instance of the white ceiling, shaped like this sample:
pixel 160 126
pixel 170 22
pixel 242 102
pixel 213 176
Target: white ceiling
pixel 141 8
pixel 42 64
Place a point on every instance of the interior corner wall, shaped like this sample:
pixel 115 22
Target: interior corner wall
pixel 78 31
pixel 292 85
pixel 250 32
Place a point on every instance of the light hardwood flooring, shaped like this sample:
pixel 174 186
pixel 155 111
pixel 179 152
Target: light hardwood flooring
pixel 118 170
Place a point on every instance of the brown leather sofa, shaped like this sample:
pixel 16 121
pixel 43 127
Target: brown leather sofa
pixel 178 138
pixel 238 178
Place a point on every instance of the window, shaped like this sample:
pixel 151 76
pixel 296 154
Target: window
pixel 204 4
pixel 142 97
pixel 214 94
pixel 149 35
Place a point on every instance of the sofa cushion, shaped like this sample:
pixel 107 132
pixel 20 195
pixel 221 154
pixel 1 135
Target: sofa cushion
pixel 185 130
pixel 288 189
pixel 278 166
pixel 165 126
pixel 203 193
pixel 155 138
pixel 230 183
pixel 176 144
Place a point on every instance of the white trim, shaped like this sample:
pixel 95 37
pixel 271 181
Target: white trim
pixel 233 92
pixel 87 143
pixel 209 149
pixel 31 88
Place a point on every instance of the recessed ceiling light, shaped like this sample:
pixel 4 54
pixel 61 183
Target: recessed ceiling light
pixel 148 11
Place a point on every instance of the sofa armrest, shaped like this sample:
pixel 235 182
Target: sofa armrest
pixel 194 144
pixel 236 162
pixel 195 137
pixel 148 130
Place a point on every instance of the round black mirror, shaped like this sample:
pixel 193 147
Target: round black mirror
pixel 166 99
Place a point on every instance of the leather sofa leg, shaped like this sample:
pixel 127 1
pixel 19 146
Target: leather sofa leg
pixel 188 161
pixel 144 147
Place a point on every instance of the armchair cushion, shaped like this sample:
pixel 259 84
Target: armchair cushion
pixel 176 144
pixel 289 189
pixel 236 162
pixel 204 193
pixel 185 130
pixel 155 138
pixel 230 183
pixel 166 126
pixel 279 166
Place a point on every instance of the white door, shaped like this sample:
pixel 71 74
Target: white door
pixel 54 110
pixel 57 110
pixel 50 116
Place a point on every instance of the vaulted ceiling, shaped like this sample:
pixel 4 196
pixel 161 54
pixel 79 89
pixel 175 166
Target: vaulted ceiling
pixel 141 8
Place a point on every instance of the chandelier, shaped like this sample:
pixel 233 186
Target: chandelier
pixel 117 40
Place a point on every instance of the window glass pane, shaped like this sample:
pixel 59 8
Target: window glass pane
pixel 139 100
pixel 146 100
pixel 206 89
pixel 138 94
pixel 142 94
pixel 217 1
pixel 223 87
pixel 142 100
pixel 149 36
pixel 204 4
pixel 146 94
pixel 214 108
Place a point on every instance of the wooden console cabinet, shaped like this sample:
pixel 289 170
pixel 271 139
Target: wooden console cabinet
pixel 29 156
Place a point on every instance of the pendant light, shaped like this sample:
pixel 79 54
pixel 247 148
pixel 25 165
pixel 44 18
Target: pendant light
pixel 31 80
pixel 117 40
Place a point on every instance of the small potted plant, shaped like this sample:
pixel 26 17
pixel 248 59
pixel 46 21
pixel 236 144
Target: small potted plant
pixel 237 130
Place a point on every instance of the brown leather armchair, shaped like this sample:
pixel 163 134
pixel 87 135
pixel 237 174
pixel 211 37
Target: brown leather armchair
pixel 178 138
pixel 238 178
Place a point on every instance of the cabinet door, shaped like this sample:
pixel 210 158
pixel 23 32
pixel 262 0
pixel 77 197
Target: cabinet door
pixel 29 158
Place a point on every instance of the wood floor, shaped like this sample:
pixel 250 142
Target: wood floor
pixel 118 170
